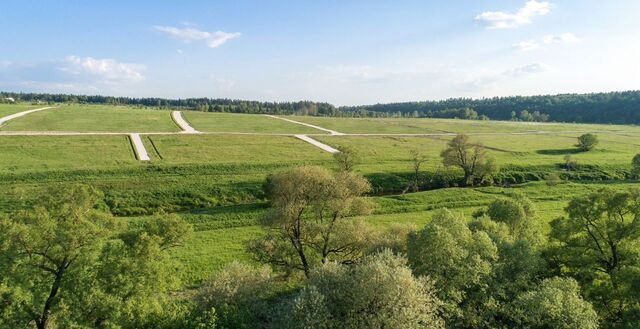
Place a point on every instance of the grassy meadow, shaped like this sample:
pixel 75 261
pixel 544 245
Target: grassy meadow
pixel 214 181
pixel 95 118
pixel 243 123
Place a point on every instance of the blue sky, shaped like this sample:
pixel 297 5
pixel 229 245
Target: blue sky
pixel 343 52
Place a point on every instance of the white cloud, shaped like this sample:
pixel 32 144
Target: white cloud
pixel 106 70
pixel 527 45
pixel 562 38
pixel 505 20
pixel 532 68
pixel 188 35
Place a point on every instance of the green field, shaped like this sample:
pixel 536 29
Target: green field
pixel 429 126
pixel 95 118
pixel 214 181
pixel 23 154
pixel 9 109
pixel 244 123
pixel 210 149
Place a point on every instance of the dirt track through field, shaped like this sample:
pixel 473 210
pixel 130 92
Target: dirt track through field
pixel 316 143
pixel 141 151
pixel 182 123
pixel 332 132
pixel 23 113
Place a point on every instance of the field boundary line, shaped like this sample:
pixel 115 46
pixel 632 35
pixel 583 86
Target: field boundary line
pixel 183 123
pixel 23 113
pixel 316 143
pixel 332 132
pixel 141 151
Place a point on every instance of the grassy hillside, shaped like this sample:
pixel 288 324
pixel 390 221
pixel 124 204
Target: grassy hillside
pixel 95 118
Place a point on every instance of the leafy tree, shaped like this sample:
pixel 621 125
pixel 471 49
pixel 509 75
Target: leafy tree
pixel 556 303
pixel 518 213
pixel 417 160
pixel 598 244
pixel 65 264
pixel 377 292
pixel 307 223
pixel 587 142
pixel 347 159
pixel 457 259
pixel 570 163
pixel 238 296
pixel 635 166
pixel 477 166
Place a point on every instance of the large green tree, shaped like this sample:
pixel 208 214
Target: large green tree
pixel 476 164
pixel 66 263
pixel 555 303
pixel 377 292
pixel 308 223
pixel 458 259
pixel 598 243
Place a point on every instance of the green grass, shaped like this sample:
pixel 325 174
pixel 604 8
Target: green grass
pixel 214 181
pixel 393 153
pixel 244 123
pixel 8 109
pixel 212 248
pixel 427 126
pixel 95 118
pixel 240 149
pixel 24 154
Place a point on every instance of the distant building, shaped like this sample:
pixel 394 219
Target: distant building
pixel 10 99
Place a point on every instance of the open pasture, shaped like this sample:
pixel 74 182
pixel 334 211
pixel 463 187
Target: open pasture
pixel 42 153
pixel 95 118
pixel 9 109
pixel 241 149
pixel 244 123
pixel 435 126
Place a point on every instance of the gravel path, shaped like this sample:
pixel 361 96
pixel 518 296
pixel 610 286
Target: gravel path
pixel 140 150
pixel 184 125
pixel 19 114
pixel 332 132
pixel 316 143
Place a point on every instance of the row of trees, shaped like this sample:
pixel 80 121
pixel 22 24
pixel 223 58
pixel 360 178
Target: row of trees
pixel 613 107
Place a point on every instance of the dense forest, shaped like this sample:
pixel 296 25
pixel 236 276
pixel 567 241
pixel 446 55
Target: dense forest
pixel 612 107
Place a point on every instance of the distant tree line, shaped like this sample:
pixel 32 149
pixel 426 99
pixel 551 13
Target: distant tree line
pixel 612 107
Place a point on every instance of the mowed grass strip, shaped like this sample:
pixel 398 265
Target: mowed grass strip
pixel 95 118
pixel 37 153
pixel 9 109
pixel 176 149
pixel 429 126
pixel 244 123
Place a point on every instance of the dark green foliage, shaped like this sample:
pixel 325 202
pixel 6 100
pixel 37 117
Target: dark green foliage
pixel 587 142
pixel 614 107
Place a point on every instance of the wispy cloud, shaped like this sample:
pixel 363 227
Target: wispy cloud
pixel 547 40
pixel 507 20
pixel 190 34
pixel 561 38
pixel 526 45
pixel 527 69
pixel 106 69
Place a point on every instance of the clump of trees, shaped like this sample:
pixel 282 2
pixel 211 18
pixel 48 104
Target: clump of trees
pixel 478 167
pixel 587 142
pixel 67 263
